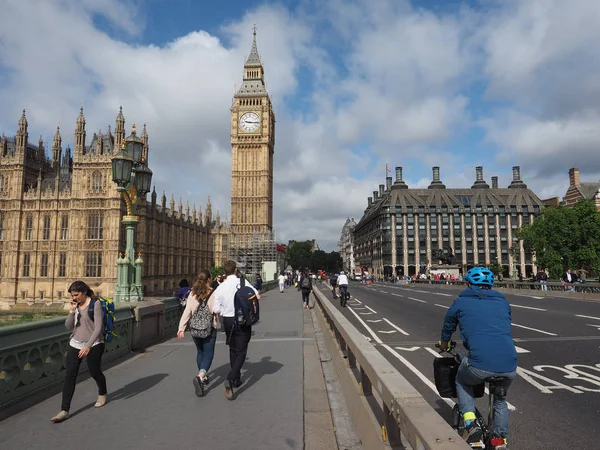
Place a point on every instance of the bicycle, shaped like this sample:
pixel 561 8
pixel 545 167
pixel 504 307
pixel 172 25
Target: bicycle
pixel 445 381
pixel 344 295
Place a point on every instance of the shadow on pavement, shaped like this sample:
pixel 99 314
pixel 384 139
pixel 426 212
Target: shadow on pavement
pixel 251 373
pixel 129 390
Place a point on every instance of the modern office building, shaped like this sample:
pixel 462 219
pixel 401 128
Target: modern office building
pixel 404 231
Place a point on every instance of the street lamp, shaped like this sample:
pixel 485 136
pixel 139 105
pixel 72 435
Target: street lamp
pixel 133 178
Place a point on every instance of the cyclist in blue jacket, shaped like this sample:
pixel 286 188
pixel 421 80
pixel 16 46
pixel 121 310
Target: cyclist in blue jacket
pixel 484 318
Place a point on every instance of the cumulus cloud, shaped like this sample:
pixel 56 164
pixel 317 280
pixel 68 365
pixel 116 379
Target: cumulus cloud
pixel 354 85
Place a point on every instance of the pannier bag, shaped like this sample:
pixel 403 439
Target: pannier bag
pixel 444 373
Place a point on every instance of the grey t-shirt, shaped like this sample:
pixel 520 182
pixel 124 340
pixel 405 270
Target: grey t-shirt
pixel 88 331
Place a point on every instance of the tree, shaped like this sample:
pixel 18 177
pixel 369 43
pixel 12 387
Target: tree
pixel 299 255
pixel 564 238
pixel 496 268
pixel 216 271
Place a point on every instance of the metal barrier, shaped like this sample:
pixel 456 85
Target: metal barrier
pixel 551 286
pixel 385 408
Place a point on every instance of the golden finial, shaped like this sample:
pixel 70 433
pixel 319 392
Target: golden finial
pixel 123 146
pixel 133 129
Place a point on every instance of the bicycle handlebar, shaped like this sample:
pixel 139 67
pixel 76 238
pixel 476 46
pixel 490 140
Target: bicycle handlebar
pixel 451 347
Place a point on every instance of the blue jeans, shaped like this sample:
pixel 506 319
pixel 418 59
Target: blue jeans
pixel 469 376
pixel 206 350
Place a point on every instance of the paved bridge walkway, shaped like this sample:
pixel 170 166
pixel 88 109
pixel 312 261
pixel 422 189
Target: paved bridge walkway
pixel 282 403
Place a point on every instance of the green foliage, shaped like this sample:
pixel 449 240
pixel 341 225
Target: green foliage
pixel 564 238
pixel 495 268
pixel 299 256
pixel 329 262
pixel 216 271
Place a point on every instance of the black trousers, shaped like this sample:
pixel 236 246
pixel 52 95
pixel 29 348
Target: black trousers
pixel 237 339
pixel 94 360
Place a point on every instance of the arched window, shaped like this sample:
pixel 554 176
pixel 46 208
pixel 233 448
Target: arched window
pixel 1 184
pixel 97 182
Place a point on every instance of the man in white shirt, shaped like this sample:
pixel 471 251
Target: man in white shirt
pixel 238 337
pixel 282 279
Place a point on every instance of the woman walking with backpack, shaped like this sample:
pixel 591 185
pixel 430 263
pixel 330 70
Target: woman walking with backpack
pixel 87 340
pixel 198 314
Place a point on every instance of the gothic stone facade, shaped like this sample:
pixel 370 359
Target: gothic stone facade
pixel 60 221
pixel 402 230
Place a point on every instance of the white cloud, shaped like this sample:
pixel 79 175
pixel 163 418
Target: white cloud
pixel 388 82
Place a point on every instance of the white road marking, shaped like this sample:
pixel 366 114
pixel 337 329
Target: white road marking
pixel 433 352
pixel 423 292
pixel 534 329
pixel 442 306
pixel 412 349
pixel 374 320
pixel 397 328
pixel 359 307
pixel 588 317
pixel 370 309
pixel 388 332
pixel 529 296
pixel 593 325
pixel 383 292
pixel 527 307
pixel 439 293
pixel 366 314
pixel 397 295
pixel 379 341
pixel 357 300
pixel 417 300
pixel 521 350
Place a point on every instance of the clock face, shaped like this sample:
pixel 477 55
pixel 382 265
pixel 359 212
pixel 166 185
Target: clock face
pixel 249 122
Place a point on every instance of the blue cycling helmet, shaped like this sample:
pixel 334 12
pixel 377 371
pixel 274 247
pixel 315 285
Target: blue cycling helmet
pixel 480 276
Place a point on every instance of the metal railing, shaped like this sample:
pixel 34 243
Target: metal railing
pixel 398 408
pixel 555 286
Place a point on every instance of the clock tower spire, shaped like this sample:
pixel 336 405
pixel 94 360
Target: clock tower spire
pixel 252 148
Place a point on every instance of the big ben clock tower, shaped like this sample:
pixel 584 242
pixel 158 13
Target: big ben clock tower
pixel 252 147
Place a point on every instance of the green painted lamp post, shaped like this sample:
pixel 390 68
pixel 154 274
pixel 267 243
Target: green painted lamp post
pixel 133 178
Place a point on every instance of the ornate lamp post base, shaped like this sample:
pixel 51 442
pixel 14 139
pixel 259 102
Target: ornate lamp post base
pixel 129 286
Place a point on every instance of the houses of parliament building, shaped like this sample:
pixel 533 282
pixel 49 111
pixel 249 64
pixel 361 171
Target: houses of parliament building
pixel 60 212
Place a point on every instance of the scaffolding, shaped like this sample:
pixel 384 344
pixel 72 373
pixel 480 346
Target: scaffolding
pixel 254 253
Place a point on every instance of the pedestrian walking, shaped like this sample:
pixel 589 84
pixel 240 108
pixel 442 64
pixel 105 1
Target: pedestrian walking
pixel 86 341
pixel 202 322
pixel 282 280
pixel 237 336
pixel 306 286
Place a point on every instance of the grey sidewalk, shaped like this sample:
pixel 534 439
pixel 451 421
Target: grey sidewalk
pixel 152 403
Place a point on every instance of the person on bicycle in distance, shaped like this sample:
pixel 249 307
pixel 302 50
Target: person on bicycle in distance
pixel 484 317
pixel 342 283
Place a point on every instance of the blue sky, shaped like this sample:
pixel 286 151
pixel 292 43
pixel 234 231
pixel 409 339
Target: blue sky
pixel 355 85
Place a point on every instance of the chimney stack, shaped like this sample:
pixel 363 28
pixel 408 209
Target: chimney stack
pixel 574 177
pixel 516 173
pixel 369 201
pixel 436 183
pixel 388 182
pixel 398 174
pixel 516 182
pixel 494 182
pixel 399 181
pixel 381 189
pixel 375 195
pixel 479 181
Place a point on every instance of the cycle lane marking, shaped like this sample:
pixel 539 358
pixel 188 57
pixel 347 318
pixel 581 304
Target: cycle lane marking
pixel 396 327
pixel 527 307
pixel 442 306
pixel 587 317
pixel 534 329
pixel 417 300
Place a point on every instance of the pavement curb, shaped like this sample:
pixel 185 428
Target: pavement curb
pixel 319 432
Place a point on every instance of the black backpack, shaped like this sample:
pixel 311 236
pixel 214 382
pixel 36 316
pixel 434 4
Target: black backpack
pixel 306 282
pixel 245 302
